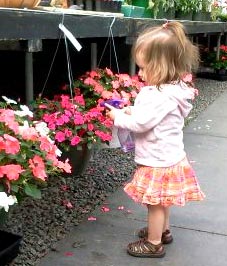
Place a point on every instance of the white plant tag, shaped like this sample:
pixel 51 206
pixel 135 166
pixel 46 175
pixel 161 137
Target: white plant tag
pixel 69 35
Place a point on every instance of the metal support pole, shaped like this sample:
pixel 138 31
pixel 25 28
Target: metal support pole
pixel 132 67
pixel 218 46
pixel 225 39
pixel 208 42
pixel 29 77
pixel 93 55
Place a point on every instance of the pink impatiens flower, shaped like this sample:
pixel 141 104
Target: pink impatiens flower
pixel 75 140
pixel 38 167
pixel 12 145
pixel 11 171
pixel 60 136
pixel 104 136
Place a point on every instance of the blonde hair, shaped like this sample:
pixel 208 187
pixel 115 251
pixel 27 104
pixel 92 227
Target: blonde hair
pixel 166 52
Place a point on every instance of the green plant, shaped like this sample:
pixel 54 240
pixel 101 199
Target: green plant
pixel 216 10
pixel 186 6
pixel 205 5
pixel 212 61
pixel 154 7
pixel 27 154
pixel 221 17
pixel 167 4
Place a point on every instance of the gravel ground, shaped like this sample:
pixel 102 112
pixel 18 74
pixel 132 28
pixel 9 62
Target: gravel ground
pixel 68 201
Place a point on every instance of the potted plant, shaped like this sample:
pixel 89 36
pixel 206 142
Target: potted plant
pixel 214 63
pixel 218 64
pixel 185 8
pixel 216 10
pixel 204 11
pixel 75 125
pixel 164 8
pixel 27 153
pixel 27 157
pixel 77 119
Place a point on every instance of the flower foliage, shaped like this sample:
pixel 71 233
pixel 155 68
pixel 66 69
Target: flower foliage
pixel 217 9
pixel 102 84
pixel 71 123
pixel 80 120
pixel 27 154
pixel 215 63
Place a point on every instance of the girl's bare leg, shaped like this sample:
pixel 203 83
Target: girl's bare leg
pixel 156 223
pixel 166 224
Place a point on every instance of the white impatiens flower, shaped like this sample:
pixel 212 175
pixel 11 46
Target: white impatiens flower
pixel 58 152
pixel 6 201
pixel 42 128
pixel 8 101
pixel 25 111
pixel 24 127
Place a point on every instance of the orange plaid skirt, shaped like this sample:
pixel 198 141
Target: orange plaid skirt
pixel 174 185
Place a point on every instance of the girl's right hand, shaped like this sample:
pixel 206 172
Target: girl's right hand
pixel 127 110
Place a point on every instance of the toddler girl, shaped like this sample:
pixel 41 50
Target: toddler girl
pixel 163 176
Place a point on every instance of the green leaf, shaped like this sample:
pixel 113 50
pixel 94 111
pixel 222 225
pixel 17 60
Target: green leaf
pixel 2 188
pixel 14 188
pixel 33 191
pixel 89 145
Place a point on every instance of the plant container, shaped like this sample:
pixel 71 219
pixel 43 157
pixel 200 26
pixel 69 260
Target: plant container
pixel 78 159
pixel 132 11
pixel 9 247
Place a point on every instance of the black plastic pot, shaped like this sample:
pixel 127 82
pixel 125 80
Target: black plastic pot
pixel 78 159
pixel 9 247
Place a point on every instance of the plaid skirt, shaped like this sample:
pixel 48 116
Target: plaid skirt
pixel 174 185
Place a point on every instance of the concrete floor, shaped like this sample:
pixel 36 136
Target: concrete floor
pixel 199 229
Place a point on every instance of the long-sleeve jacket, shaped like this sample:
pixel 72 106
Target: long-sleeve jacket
pixel 157 120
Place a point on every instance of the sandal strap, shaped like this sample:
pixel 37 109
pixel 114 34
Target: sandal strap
pixel 166 236
pixel 143 246
pixel 143 232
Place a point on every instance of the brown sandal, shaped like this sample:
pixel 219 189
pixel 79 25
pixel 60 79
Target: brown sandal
pixel 167 237
pixel 146 249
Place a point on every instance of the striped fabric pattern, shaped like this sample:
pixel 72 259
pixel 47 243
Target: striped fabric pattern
pixel 167 186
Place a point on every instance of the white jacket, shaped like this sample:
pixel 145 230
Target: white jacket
pixel 157 120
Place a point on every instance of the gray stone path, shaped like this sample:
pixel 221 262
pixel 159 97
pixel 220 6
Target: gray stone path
pixel 199 228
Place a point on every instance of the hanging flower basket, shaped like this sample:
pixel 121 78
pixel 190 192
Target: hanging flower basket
pixel 79 159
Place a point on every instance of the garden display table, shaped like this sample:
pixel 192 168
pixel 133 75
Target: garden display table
pixel 25 29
